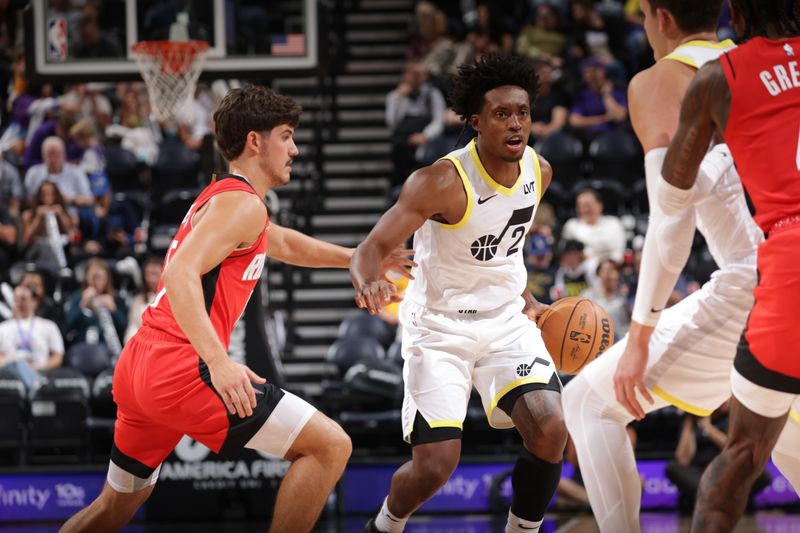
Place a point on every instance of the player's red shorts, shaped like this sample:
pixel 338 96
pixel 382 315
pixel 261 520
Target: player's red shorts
pixel 768 355
pixel 163 391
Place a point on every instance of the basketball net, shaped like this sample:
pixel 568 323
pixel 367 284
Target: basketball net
pixel 171 70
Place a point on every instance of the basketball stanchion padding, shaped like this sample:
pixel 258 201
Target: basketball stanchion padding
pixel 575 330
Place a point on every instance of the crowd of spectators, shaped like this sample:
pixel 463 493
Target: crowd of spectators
pixel 587 241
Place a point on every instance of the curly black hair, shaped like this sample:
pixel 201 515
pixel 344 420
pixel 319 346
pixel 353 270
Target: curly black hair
pixel 251 108
pixel 760 15
pixel 491 71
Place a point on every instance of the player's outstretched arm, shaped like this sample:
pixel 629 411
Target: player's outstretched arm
pixel 295 248
pixel 704 112
pixel 230 220
pixel 434 192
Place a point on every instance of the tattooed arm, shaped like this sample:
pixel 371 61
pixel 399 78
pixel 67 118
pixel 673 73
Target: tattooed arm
pixel 703 113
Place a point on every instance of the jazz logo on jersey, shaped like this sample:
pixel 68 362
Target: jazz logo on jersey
pixel 253 271
pixel 484 248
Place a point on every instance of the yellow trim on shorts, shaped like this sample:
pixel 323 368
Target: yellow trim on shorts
pixel 446 424
pixel 437 424
pixel 697 411
pixel 505 191
pixel 794 415
pixel 511 386
pixel 467 188
pixel 537 175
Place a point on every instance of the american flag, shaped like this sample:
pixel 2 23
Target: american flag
pixel 290 44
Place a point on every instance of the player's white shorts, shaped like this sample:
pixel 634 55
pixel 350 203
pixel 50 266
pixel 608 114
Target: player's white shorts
pixel 445 355
pixel 763 401
pixel 691 350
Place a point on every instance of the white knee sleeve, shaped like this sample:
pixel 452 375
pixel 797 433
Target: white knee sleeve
pixel 606 458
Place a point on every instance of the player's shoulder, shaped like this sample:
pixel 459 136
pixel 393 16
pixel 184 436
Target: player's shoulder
pixel 656 78
pixel 439 176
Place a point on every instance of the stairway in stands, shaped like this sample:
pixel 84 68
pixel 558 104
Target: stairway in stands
pixel 356 166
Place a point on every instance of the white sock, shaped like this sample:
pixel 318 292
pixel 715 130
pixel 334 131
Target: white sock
pixel 387 522
pixel 516 524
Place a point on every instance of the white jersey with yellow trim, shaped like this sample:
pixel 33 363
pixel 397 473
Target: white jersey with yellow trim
pixel 476 264
pixel 698 53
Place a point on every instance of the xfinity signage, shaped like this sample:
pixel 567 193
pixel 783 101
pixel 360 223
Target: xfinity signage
pixel 47 496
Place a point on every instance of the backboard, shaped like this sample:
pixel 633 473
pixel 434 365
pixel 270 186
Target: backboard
pixel 76 40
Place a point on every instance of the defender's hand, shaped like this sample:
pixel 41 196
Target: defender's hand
pixel 234 383
pixel 376 294
pixel 629 378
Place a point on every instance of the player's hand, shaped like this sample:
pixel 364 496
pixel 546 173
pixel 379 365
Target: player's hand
pixel 234 383
pixel 534 309
pixel 629 378
pixel 374 295
pixel 399 262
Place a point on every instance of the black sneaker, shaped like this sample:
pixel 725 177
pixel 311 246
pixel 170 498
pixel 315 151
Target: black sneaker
pixel 370 527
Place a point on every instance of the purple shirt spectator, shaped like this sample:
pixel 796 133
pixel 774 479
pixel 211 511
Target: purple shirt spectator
pixel 589 103
pixel 33 152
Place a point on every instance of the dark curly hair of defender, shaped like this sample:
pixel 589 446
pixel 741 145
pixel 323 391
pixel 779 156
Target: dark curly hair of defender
pixel 251 108
pixel 491 71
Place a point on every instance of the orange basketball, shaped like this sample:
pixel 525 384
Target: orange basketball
pixel 575 331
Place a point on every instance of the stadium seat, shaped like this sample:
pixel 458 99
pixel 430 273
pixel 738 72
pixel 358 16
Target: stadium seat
pixel 177 167
pixel 617 154
pixel 347 351
pixel 395 353
pixel 168 214
pixel 88 359
pixel 366 325
pixel 13 406
pixel 103 414
pixel 58 411
pixel 564 152
pixel 613 193
pixel 122 168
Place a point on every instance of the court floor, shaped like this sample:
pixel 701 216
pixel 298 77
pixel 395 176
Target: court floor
pixel 763 522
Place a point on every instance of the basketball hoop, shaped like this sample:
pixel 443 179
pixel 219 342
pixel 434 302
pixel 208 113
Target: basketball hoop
pixel 170 69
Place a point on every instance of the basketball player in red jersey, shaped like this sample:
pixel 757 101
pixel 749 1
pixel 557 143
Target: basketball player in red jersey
pixel 175 378
pixel 751 96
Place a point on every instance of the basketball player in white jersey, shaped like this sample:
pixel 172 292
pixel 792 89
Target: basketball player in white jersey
pixel 468 318
pixel 684 355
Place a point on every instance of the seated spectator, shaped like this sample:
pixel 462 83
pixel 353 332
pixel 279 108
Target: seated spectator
pixel 196 123
pixel 91 104
pixel 489 34
pixel 40 244
pixel 11 191
pixel 415 113
pixel 541 270
pixel 46 307
pixel 53 127
pixel 575 273
pixel 71 181
pixel 550 112
pixel 609 294
pixel 8 240
pixel 543 39
pixel 96 298
pixel 594 34
pixel 700 442
pixel 28 343
pixel 598 106
pixel 151 275
pixel 94 43
pixel 602 235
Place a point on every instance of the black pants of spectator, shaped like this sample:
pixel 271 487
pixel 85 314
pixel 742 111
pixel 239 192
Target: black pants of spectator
pixel 687 479
pixel 404 159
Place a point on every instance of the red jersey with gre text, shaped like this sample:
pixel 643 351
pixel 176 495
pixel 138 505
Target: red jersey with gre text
pixel 228 286
pixel 763 129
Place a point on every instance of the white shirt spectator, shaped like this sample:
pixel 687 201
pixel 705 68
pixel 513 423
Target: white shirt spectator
pixel 605 239
pixel 32 340
pixel 71 181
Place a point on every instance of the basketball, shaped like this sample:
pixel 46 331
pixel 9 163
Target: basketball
pixel 575 330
